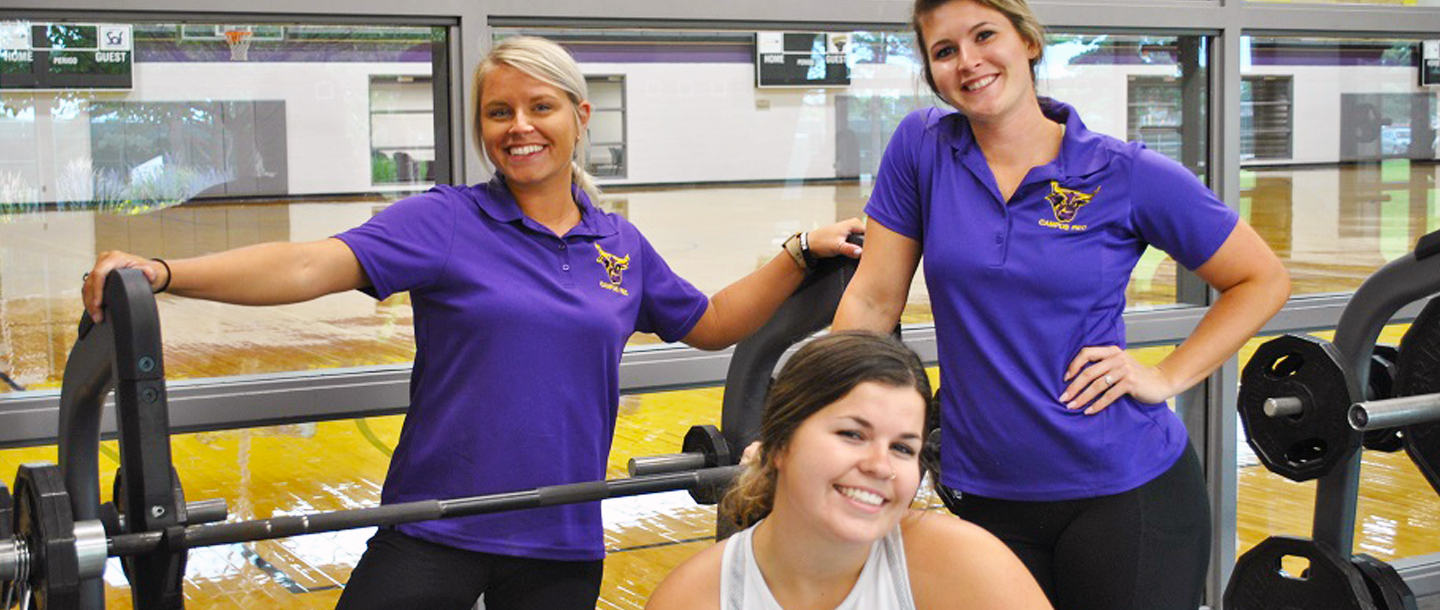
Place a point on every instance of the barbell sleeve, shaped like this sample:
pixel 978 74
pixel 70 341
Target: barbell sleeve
pixel 1394 412
pixel 660 464
pixel 10 558
pixel 1283 405
pixel 197 512
pixel 393 514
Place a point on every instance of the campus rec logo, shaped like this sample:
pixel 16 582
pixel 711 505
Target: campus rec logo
pixel 614 267
pixel 1066 204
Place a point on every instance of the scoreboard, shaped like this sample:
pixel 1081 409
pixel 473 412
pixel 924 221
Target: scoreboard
pixel 801 59
pixel 66 55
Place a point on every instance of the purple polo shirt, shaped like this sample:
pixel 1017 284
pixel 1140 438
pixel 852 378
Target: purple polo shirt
pixel 1017 290
pixel 518 337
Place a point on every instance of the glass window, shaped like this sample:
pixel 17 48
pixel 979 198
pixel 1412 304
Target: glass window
pixel 402 133
pixel 1354 187
pixel 1155 117
pixel 1265 110
pixel 718 170
pixel 607 125
pixel 173 140
pixel 1388 4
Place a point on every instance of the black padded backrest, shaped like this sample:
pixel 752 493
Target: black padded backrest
pixel 810 309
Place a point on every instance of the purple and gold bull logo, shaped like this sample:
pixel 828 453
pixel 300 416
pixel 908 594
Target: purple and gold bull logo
pixel 1067 202
pixel 614 265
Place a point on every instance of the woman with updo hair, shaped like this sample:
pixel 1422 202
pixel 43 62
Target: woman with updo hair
pixel 826 505
pixel 525 294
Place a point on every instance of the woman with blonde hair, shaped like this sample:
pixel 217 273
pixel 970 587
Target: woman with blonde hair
pixel 525 294
pixel 826 505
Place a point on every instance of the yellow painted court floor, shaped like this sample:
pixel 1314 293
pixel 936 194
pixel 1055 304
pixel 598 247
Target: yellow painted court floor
pixel 1329 242
pixel 283 470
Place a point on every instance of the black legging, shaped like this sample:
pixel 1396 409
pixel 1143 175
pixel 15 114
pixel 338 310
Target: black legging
pixel 399 571
pixel 1144 549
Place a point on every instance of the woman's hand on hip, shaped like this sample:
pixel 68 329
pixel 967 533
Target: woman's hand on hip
pixel 1099 375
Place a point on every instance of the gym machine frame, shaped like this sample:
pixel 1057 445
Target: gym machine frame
pixel 1312 427
pixel 124 354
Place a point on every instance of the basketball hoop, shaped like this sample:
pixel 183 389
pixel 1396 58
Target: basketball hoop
pixel 239 41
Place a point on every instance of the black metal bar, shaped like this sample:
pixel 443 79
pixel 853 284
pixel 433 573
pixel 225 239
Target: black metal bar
pixel 1397 284
pixel 659 464
pixel 410 512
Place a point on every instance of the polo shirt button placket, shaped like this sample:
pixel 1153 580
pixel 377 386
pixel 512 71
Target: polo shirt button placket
pixel 562 251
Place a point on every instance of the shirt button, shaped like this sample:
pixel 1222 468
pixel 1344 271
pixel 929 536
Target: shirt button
pixel 564 267
pixel 562 246
pixel 999 238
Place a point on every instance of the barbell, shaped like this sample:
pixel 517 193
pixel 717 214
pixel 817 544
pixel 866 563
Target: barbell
pixel 45 553
pixel 1297 413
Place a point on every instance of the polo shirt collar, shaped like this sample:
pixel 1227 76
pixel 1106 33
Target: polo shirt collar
pixel 1081 152
pixel 499 204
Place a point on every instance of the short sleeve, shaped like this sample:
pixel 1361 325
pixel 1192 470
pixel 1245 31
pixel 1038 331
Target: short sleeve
pixel 896 200
pixel 669 306
pixel 406 246
pixel 1173 211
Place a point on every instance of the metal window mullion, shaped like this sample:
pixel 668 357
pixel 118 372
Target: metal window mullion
pixel 1218 392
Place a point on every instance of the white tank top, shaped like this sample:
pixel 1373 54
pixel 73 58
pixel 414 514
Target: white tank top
pixel 884 582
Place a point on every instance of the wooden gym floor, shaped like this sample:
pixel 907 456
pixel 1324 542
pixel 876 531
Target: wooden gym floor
pixel 263 472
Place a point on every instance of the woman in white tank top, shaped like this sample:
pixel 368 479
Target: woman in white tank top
pixel 826 504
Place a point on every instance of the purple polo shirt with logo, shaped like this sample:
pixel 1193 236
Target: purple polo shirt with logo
pixel 518 339
pixel 1017 290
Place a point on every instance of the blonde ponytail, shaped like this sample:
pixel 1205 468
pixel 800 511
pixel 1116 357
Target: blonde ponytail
pixel 583 179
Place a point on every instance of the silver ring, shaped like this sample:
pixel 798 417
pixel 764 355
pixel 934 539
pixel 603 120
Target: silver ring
pixel 1109 381
pixel 86 277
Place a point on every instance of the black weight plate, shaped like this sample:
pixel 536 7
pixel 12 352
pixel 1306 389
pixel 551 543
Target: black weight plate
pixel 1330 583
pixel 1383 372
pixel 44 521
pixel 1307 445
pixel 708 440
pixel 7 512
pixel 1386 586
pixel 1419 363
pixel 1392 354
pixel 7 530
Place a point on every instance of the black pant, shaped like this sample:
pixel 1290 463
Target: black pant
pixel 1145 549
pixel 399 571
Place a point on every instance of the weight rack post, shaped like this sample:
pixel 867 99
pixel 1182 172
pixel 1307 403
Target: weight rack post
pixel 124 353
pixel 1404 280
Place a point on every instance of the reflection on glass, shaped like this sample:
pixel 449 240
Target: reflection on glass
pixel 1339 149
pixel 202 151
pixel 1383 3
pixel 713 150
pixel 207 152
